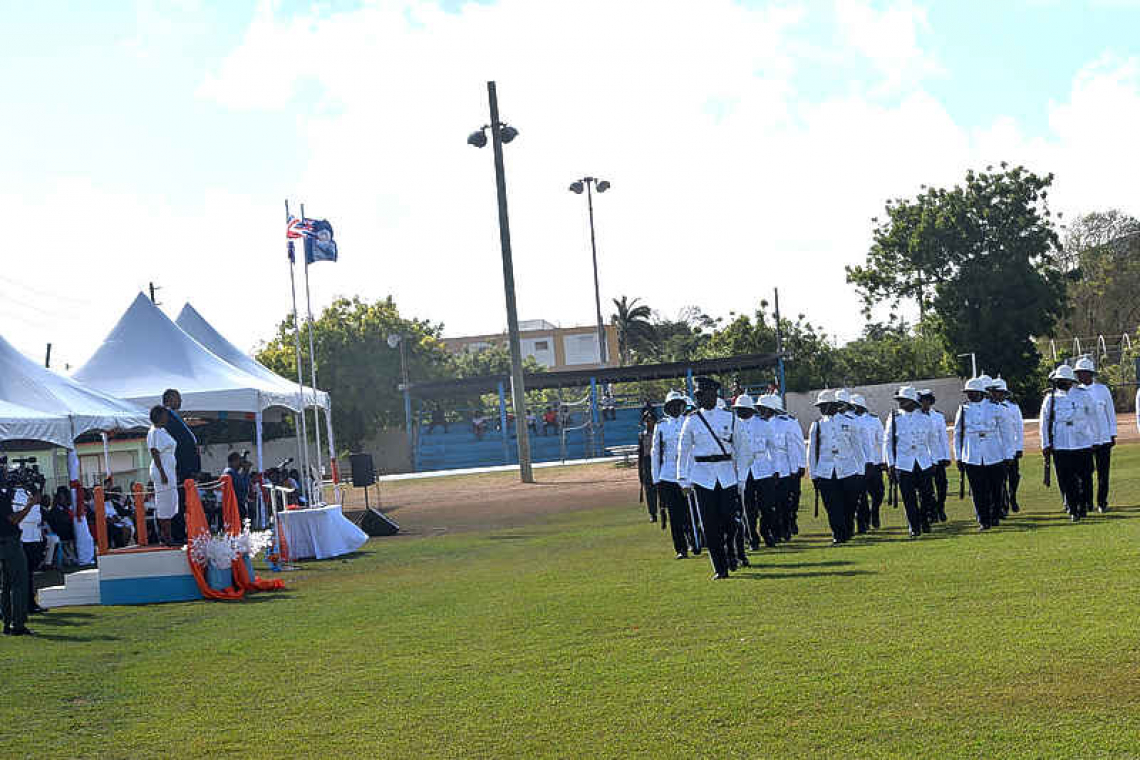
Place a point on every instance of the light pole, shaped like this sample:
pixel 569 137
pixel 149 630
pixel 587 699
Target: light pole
pixel 589 184
pixel 401 340
pixel 502 133
pixel 973 362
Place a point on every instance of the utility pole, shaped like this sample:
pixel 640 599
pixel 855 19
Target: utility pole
pixel 153 289
pixel 518 387
pixel 47 358
pixel 779 351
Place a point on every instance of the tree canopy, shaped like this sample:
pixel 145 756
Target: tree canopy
pixel 980 261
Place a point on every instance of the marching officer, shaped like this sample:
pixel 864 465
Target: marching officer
pixel 644 459
pixel 871 499
pixel 707 458
pixel 994 397
pixel 836 453
pixel 942 454
pixel 909 447
pixel 1085 371
pixel 761 475
pixel 787 453
pixel 663 471
pixel 1070 428
pixel 1015 442
pixel 980 450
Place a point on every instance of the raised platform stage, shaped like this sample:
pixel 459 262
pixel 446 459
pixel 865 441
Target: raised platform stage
pixel 139 575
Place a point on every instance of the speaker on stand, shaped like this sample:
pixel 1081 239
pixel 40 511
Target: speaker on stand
pixel 372 521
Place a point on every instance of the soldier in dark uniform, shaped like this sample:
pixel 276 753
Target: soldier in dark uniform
pixel 645 460
pixel 14 599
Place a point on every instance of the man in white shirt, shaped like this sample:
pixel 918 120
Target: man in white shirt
pixel 663 463
pixel 1085 371
pixel 1070 429
pixel 761 498
pixel 909 448
pixel 871 498
pixel 1014 437
pixel 836 453
pixel 708 459
pixel 980 450
pixel 942 454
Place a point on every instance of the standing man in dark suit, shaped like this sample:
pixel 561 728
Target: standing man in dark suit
pixel 187 462
pixel 14 599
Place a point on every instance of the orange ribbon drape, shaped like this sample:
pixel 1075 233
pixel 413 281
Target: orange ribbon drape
pixel 196 525
pixel 232 516
pixel 100 521
pixel 140 514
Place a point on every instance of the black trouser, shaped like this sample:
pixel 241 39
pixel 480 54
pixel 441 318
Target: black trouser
pixel 34 554
pixel 768 500
pixel 1074 478
pixel 940 487
pixel 785 508
pixel 795 490
pixel 983 479
pixel 1102 457
pixel 673 499
pixel 873 492
pixel 737 530
pixel 839 497
pixel 14 600
pixel 1013 480
pixel 650 491
pixel 717 506
pixel 862 505
pixel 917 491
pixel 752 500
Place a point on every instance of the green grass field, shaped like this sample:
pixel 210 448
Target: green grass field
pixel 581 636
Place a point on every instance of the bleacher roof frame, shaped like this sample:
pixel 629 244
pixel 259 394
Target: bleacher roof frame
pixel 581 377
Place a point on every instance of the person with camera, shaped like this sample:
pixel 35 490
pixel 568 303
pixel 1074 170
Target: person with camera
pixel 14 600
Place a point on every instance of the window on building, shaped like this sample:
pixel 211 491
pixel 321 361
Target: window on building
pixel 541 345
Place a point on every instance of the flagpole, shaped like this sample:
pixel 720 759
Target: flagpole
pixel 313 371
pixel 304 439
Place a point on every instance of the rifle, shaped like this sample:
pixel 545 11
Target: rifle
pixel 892 472
pixel 1051 417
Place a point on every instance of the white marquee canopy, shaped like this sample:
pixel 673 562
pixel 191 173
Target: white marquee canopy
pixel 61 409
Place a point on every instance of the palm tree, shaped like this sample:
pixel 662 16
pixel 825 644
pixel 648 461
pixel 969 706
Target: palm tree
pixel 633 326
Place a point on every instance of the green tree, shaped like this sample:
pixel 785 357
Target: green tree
pixel 980 259
pixel 633 326
pixel 1102 260
pixel 355 364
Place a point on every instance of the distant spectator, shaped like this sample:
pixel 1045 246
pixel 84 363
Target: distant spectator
pixel 240 478
pixel 609 407
pixel 438 418
pixel 549 421
pixel 531 421
pixel 478 425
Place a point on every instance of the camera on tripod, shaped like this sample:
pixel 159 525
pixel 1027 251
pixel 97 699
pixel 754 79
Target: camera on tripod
pixel 25 474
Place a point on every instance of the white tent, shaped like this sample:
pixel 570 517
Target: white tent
pixel 196 326
pixel 21 422
pixel 25 383
pixel 147 353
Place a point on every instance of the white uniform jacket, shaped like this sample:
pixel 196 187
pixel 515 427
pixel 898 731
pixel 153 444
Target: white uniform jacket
pixel 909 440
pixel 1017 428
pixel 978 434
pixel 941 438
pixel 837 445
pixel 696 442
pixel 873 428
pixel 787 445
pixel 1008 432
pixel 762 444
pixel 663 452
pixel 1075 422
pixel 1107 409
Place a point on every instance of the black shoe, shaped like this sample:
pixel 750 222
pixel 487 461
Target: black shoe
pixel 942 515
pixel 653 518
pixel 1075 517
pixel 22 631
pixel 1015 507
pixel 36 610
pixel 983 526
pixel 1102 508
pixel 720 576
pixel 795 528
pixel 744 562
pixel 755 545
pixel 682 555
pixel 696 552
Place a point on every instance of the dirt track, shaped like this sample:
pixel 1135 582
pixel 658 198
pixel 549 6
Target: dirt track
pixel 488 501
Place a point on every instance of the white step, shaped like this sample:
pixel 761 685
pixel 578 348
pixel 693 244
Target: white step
pixel 79 589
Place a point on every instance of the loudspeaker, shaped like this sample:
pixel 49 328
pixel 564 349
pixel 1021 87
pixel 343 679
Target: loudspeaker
pixel 363 471
pixel 375 524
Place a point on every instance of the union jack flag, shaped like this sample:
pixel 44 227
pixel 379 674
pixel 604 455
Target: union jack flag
pixel 298 228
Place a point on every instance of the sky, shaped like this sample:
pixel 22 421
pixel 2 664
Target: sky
pixel 749 145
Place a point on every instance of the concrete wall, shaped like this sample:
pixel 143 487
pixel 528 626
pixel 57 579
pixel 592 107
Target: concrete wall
pixel 880 399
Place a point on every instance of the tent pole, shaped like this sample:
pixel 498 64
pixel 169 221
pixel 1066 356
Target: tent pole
pixel 258 423
pixel 303 441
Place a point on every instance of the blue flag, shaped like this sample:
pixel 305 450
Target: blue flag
pixel 319 243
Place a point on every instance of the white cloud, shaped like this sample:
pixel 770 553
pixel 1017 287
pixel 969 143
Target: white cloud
pixel 726 182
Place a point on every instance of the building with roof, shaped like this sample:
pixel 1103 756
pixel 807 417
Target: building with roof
pixel 555 348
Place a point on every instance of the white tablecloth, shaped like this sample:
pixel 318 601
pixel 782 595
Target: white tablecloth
pixel 320 532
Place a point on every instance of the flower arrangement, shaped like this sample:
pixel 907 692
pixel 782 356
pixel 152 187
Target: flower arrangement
pixel 218 551
pixel 251 543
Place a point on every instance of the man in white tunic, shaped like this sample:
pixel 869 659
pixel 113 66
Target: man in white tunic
pixel 1085 371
